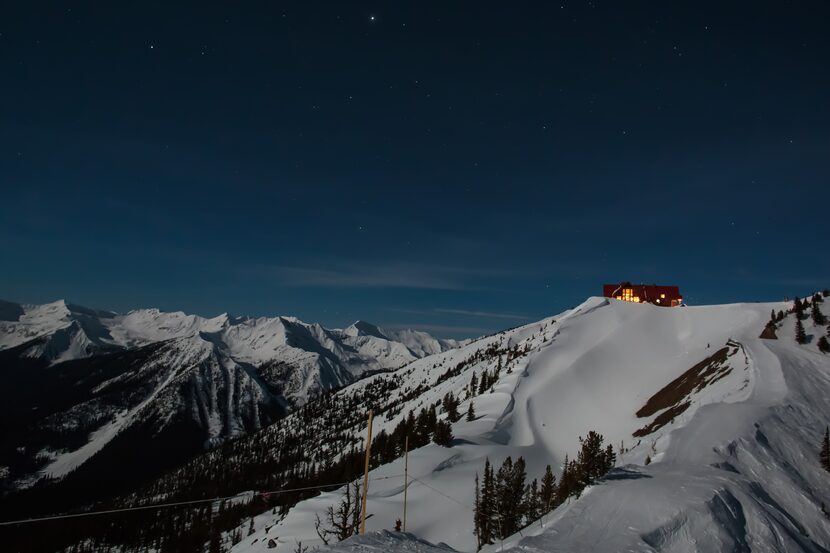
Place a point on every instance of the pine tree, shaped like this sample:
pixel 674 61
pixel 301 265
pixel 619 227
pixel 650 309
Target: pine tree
pixel 443 433
pixel 487 505
pixel 547 494
pixel 473 385
pixel 477 515
pixel 517 491
pixel 566 483
pixel 471 412
pixel 532 505
pixel 483 383
pixel 800 335
pixel 591 458
pixel 450 405
pixel 824 455
pixel 216 542
pixel 798 307
pixel 823 345
pixel 504 497
pixel 609 459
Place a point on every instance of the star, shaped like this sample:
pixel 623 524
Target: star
pixel 372 17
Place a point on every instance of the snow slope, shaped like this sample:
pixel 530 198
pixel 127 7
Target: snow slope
pixel 730 423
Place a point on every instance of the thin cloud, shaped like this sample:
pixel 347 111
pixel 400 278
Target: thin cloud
pixel 465 313
pixel 384 275
pixel 484 314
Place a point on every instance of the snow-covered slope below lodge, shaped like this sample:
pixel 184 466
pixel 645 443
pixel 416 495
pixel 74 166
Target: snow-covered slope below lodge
pixel 77 379
pixel 716 431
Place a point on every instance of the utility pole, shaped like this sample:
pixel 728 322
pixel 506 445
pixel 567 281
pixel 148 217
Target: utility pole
pixel 405 478
pixel 366 476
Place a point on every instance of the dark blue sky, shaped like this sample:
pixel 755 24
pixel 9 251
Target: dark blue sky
pixel 453 166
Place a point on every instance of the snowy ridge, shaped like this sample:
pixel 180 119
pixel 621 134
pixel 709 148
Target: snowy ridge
pixel 224 376
pixel 731 434
pixel 60 331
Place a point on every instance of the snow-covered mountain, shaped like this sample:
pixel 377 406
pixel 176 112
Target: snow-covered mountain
pixel 716 430
pixel 717 434
pixel 83 380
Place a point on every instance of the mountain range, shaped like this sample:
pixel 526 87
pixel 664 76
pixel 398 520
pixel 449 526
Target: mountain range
pixel 712 418
pixel 82 383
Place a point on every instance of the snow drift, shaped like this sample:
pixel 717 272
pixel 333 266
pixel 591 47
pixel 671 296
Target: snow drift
pixel 717 434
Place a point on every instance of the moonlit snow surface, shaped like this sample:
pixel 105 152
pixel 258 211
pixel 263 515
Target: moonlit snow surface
pixel 736 471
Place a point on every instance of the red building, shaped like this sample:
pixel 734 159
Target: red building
pixel 666 296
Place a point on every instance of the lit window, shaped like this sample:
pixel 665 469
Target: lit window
pixel 663 296
pixel 658 301
pixel 635 299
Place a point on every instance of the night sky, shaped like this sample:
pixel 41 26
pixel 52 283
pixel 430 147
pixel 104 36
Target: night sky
pixel 459 167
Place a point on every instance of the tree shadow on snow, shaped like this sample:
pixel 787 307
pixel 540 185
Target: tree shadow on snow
pixel 620 473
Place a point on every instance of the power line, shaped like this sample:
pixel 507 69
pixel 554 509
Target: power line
pixel 179 503
pixel 436 490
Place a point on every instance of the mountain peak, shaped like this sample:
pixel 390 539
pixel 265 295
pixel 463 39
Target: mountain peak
pixel 362 328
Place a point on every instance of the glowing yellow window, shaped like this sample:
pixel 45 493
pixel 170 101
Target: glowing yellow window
pixel 635 299
pixel 663 296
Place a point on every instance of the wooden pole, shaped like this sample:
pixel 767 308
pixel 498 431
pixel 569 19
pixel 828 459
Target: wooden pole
pixel 366 476
pixel 405 478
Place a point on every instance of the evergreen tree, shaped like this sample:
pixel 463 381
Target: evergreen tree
pixel 483 383
pixel 487 506
pixel 800 335
pixel 473 385
pixel 424 427
pixel 824 455
pixel 216 542
pixel 798 307
pixel 532 504
pixel 471 412
pixel 450 405
pixel 477 515
pixel 609 459
pixel 566 483
pixel 547 494
pixel 591 458
pixel 443 433
pixel 517 491
pixel 504 497
pixel 823 345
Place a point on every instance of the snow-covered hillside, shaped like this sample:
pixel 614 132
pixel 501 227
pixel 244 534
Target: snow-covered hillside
pixel 81 378
pixel 716 430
